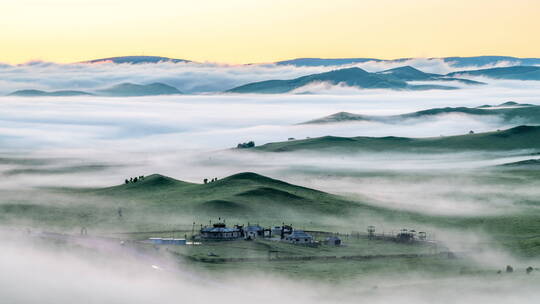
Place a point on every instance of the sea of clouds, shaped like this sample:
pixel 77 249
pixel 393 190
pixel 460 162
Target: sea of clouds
pixel 191 78
pixel 100 270
pixel 189 136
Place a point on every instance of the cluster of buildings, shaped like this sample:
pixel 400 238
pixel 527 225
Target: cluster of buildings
pixel 286 233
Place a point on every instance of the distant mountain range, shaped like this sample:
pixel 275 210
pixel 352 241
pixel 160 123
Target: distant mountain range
pixel 408 73
pixel 130 89
pixel 399 78
pixel 36 93
pixel 120 90
pixel 355 77
pixel 508 111
pixel 453 61
pixel 518 138
pixel 137 60
pixel 514 72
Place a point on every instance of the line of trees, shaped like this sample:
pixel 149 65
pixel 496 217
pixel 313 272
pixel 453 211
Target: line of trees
pixel 206 181
pixel 249 144
pixel 134 179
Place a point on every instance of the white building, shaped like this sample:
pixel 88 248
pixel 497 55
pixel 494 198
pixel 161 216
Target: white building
pixel 220 232
pixel 299 237
pixel 253 232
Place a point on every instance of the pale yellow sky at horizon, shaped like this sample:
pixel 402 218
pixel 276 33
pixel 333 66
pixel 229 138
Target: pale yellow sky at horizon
pixel 249 31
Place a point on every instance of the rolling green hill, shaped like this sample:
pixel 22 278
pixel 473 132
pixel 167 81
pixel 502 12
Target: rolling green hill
pixel 524 164
pixel 522 137
pixel 243 194
pixel 39 93
pixel 508 111
pixel 160 202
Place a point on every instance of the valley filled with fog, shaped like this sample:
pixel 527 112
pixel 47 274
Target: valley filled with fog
pixel 56 150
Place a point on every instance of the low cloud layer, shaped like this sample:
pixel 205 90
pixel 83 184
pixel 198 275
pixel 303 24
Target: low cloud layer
pixel 101 271
pixel 187 77
pixel 186 137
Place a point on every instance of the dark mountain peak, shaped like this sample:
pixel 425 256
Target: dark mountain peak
pixel 509 103
pixel 338 117
pixel 346 72
pixel 405 68
pixel 248 176
pixel 408 72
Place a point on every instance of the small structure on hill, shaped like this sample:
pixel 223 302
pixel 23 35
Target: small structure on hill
pixel 282 231
pixel 252 232
pixel 219 231
pixel 299 237
pixel 371 232
pixel 333 240
pixel 405 235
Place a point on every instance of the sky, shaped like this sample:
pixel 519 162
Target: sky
pixel 247 31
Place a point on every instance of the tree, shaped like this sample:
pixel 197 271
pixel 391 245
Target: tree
pixel 205 180
pixel 127 181
pixel 135 180
pixel 249 144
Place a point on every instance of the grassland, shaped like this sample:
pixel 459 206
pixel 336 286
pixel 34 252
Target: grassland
pixel 518 138
pixel 160 203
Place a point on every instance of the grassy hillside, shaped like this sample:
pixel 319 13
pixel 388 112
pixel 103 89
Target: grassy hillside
pixel 162 203
pixel 508 111
pixel 240 195
pixel 157 201
pixel 522 137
